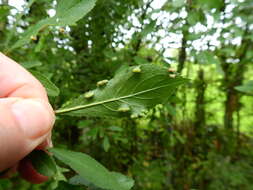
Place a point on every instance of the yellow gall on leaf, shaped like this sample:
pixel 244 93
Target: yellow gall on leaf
pixel 173 75
pixel 136 69
pixel 89 95
pixel 171 70
pixel 61 30
pixel 134 116
pixel 145 163
pixel 102 82
pixel 33 38
pixel 124 108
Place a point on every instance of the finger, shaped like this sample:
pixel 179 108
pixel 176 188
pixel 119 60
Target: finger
pixel 24 124
pixel 47 143
pixel 26 118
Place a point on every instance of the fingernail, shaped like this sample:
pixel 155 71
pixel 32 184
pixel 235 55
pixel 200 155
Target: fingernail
pixel 32 117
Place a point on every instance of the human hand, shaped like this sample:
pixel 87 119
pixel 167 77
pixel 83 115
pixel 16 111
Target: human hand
pixel 26 117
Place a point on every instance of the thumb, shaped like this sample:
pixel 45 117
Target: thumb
pixel 24 124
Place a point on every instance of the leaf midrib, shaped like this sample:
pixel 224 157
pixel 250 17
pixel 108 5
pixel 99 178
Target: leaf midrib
pixel 60 111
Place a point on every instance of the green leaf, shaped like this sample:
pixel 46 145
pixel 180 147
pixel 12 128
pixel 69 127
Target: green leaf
pixel 43 163
pixel 196 16
pixel 65 186
pixel 52 90
pixel 210 4
pixel 32 32
pixel 148 28
pixel 246 88
pixel 5 184
pixel 126 182
pixel 115 128
pixel 131 91
pixel 106 144
pixel 79 180
pixel 89 169
pixel 68 12
pixel 140 60
pixel 4 11
pixel 30 64
pixel 207 57
pixel 178 3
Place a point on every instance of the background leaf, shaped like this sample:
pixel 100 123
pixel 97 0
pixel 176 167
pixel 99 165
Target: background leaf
pixel 52 90
pixel 106 143
pixel 32 32
pixel 30 64
pixel 68 12
pixel 43 163
pixel 65 186
pixel 207 57
pixel 89 169
pixel 126 182
pixel 246 88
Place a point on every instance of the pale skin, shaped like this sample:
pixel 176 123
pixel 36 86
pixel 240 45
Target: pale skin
pixel 26 117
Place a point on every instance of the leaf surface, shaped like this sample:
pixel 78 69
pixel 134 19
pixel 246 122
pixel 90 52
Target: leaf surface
pixel 246 88
pixel 32 32
pixel 30 64
pixel 52 89
pixel 43 163
pixel 65 186
pixel 127 93
pixel 89 169
pixel 207 57
pixel 68 12
pixel 126 182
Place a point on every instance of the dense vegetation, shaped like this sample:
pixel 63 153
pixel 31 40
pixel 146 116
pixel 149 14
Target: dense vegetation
pixel 201 138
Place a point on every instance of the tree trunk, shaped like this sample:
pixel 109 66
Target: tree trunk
pixel 200 114
pixel 234 74
pixel 182 54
